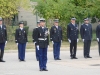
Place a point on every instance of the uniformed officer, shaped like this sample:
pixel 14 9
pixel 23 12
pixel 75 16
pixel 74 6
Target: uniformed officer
pixel 98 35
pixel 72 35
pixel 86 35
pixel 42 42
pixel 56 38
pixel 21 40
pixel 34 39
pixel 3 39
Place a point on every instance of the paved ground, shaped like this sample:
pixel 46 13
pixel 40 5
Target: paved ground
pixel 66 66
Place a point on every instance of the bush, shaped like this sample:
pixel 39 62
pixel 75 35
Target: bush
pixel 11 32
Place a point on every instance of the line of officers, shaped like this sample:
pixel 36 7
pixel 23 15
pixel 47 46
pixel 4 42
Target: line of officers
pixel 41 40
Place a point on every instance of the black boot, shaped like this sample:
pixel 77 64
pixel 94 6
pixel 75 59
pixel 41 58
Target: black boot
pixel 1 56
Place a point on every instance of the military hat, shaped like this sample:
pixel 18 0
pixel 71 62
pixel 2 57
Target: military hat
pixel 0 18
pixel 21 22
pixel 56 20
pixel 86 19
pixel 42 20
pixel 99 21
pixel 73 18
pixel 38 22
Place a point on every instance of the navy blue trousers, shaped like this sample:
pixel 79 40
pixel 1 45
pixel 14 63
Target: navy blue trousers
pixel 37 53
pixel 2 46
pixel 21 51
pixel 42 58
pixel 56 50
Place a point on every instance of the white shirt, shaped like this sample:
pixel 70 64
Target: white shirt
pixel 1 26
pixel 21 28
pixel 57 27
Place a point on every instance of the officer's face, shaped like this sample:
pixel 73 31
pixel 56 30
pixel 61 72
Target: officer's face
pixel 86 21
pixel 42 24
pixel 0 22
pixel 21 25
pixel 56 23
pixel 38 25
pixel 73 21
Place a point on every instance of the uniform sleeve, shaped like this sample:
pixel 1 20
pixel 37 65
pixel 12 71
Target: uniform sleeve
pixel 37 36
pixel 97 34
pixel 16 36
pixel 51 34
pixel 48 39
pixel 91 31
pixel 5 33
pixel 33 35
pixel 61 34
pixel 82 32
pixel 78 33
pixel 68 32
pixel 26 36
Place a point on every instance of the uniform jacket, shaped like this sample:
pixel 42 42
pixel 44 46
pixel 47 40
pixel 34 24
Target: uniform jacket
pixel 21 36
pixel 86 31
pixel 34 34
pixel 3 34
pixel 98 31
pixel 56 34
pixel 72 32
pixel 41 35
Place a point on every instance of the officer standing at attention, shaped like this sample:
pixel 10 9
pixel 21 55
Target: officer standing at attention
pixel 42 43
pixel 86 35
pixel 34 39
pixel 21 40
pixel 56 38
pixel 98 35
pixel 3 39
pixel 72 35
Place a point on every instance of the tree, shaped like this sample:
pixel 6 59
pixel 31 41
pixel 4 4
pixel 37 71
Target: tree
pixel 8 8
pixel 65 9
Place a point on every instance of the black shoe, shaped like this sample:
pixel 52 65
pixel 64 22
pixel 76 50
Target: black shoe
pixel 71 58
pixel 85 57
pixel 45 70
pixel 58 59
pixel 75 58
pixel 55 59
pixel 89 57
pixel 41 69
pixel 2 61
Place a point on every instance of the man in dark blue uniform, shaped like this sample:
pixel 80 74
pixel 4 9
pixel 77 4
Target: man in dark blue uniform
pixel 3 39
pixel 86 35
pixel 34 39
pixel 42 42
pixel 98 35
pixel 21 40
pixel 72 35
pixel 56 38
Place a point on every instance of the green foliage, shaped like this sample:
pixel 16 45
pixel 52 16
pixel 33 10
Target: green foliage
pixel 11 32
pixel 65 9
pixel 8 8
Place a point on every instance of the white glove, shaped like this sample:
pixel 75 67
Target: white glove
pixel 98 39
pixel 69 40
pixel 77 40
pixel 52 42
pixel 61 41
pixel 17 44
pixel 37 47
pixel 83 40
pixel 34 43
pixel 6 42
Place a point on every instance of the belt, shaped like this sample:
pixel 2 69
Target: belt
pixel 42 38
